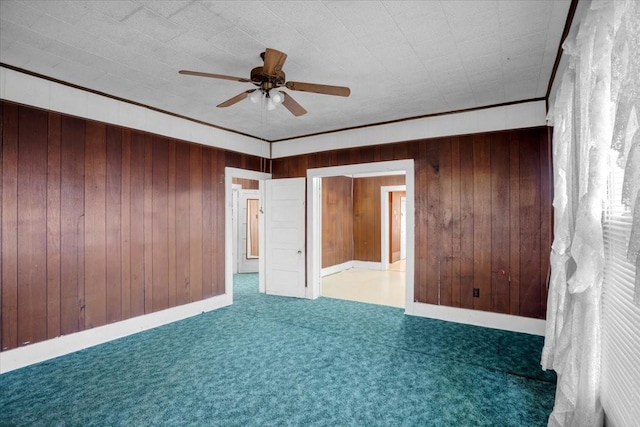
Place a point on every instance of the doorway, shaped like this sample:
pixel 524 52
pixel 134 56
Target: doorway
pixel 246 227
pixel 314 216
pixel 233 240
pixel 393 224
pixel 363 253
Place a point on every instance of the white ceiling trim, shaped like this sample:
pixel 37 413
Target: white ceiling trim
pixel 514 116
pixel 41 93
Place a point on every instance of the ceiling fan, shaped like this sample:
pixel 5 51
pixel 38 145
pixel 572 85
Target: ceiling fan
pixel 269 77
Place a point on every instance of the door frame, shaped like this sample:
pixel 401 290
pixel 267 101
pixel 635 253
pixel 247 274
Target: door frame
pixel 235 189
pixel 384 222
pixel 243 262
pixel 229 174
pixel 314 217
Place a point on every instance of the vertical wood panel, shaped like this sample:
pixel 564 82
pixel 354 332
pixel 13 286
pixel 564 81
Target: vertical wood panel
pixel 455 225
pixel 466 222
pixel 421 219
pixel 216 234
pixel 95 225
pixel 446 218
pixel 401 151
pixel 195 222
pixel 72 225
pixel 9 226
pixel 183 264
pixel 160 224
pixel 32 225
pixel 530 275
pixel 434 223
pixel 514 225
pixel 207 224
pixel 53 227
pixel 482 222
pixel 171 219
pixel 137 241
pixel 147 220
pixel 219 194
pixel 125 228
pixel 499 226
pixel 113 225
pixel 360 204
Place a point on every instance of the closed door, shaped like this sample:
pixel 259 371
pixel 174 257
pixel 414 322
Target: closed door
pixel 285 237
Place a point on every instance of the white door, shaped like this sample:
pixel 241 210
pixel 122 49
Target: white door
pixel 285 237
pixel 247 262
pixel 403 227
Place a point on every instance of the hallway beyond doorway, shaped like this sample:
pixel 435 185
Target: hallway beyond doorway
pixel 370 286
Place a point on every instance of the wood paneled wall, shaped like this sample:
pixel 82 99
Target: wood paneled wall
pixel 367 216
pixel 483 215
pixel 247 184
pixel 337 220
pixel 101 223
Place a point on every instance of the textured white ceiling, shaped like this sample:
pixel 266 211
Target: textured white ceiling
pixel 400 58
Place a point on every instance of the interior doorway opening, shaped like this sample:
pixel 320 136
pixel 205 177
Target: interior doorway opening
pixel 245 211
pixel 315 219
pixel 363 258
pixel 243 225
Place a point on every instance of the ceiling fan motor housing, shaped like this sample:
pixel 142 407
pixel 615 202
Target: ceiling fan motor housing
pixel 266 81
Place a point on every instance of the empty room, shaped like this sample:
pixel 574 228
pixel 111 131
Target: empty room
pixel 320 213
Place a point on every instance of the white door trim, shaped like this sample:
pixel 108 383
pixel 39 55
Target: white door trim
pixel 234 224
pixel 229 174
pixel 384 222
pixel 314 238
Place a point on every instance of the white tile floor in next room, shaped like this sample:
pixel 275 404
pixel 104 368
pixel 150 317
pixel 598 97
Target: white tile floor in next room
pixel 372 286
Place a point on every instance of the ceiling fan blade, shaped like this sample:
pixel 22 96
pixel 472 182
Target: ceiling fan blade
pixel 316 88
pixel 273 61
pixel 291 105
pixel 235 99
pixel 215 76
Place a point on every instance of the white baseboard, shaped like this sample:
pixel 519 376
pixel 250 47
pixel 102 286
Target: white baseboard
pixel 336 268
pixel 486 319
pixel 363 265
pixel 368 265
pixel 65 344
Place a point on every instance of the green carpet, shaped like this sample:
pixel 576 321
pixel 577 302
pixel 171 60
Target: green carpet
pixel 273 361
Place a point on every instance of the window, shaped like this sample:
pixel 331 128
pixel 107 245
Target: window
pixel 620 393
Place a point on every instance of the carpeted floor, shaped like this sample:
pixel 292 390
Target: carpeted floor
pixel 272 361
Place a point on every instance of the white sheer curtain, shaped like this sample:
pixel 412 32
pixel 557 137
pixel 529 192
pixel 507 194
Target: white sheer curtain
pixel 596 109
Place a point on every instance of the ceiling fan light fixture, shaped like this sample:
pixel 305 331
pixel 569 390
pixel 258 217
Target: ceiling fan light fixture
pixel 276 96
pixel 255 96
pixel 271 105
